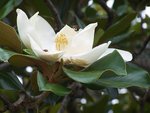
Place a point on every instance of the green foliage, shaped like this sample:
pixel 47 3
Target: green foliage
pixel 7 7
pixel 98 83
pixel 5 54
pixel 119 27
pixel 136 77
pixel 9 81
pixel 21 60
pixel 112 62
pixel 55 88
pixel 9 37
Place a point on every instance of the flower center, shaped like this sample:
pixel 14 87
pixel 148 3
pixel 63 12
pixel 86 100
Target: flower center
pixel 61 42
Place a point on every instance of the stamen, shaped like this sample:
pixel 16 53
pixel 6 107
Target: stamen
pixel 61 42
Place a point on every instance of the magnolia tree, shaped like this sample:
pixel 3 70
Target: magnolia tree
pixel 77 56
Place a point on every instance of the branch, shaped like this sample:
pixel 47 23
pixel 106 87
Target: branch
pixel 19 101
pixel 55 13
pixel 38 98
pixel 25 100
pixel 109 12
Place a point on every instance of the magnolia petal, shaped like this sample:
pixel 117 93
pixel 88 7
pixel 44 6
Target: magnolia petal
pixel 87 58
pixel 42 32
pixel 44 54
pixel 23 27
pixel 68 31
pixel 127 56
pixel 83 41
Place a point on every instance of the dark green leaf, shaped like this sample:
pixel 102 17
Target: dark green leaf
pixel 9 81
pixel 136 77
pixel 8 7
pixel 29 52
pixel 21 60
pixel 118 27
pixel 121 37
pixel 55 88
pixel 112 62
pixel 5 54
pixel 9 37
pixel 84 77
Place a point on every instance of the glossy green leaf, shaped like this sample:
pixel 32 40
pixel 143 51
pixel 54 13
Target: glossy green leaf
pixel 29 52
pixel 55 88
pixel 9 81
pixel 120 38
pixel 9 37
pixel 8 7
pixel 21 60
pixel 136 77
pixel 112 62
pixel 83 77
pixel 118 27
pixel 5 54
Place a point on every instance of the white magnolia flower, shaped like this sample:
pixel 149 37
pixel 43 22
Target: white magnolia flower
pixel 74 47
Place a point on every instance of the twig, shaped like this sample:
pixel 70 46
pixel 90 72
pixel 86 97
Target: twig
pixel 20 100
pixel 109 12
pixel 38 97
pixel 55 13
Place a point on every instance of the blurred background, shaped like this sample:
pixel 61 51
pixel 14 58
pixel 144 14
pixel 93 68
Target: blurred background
pixel 124 22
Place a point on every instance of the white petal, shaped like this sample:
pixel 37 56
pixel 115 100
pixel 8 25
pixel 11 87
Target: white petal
pixel 23 27
pixel 49 55
pixel 69 34
pixel 68 31
pixel 127 56
pixel 83 41
pixel 87 58
pixel 42 32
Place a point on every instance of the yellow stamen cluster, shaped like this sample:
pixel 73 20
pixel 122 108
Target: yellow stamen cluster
pixel 61 42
